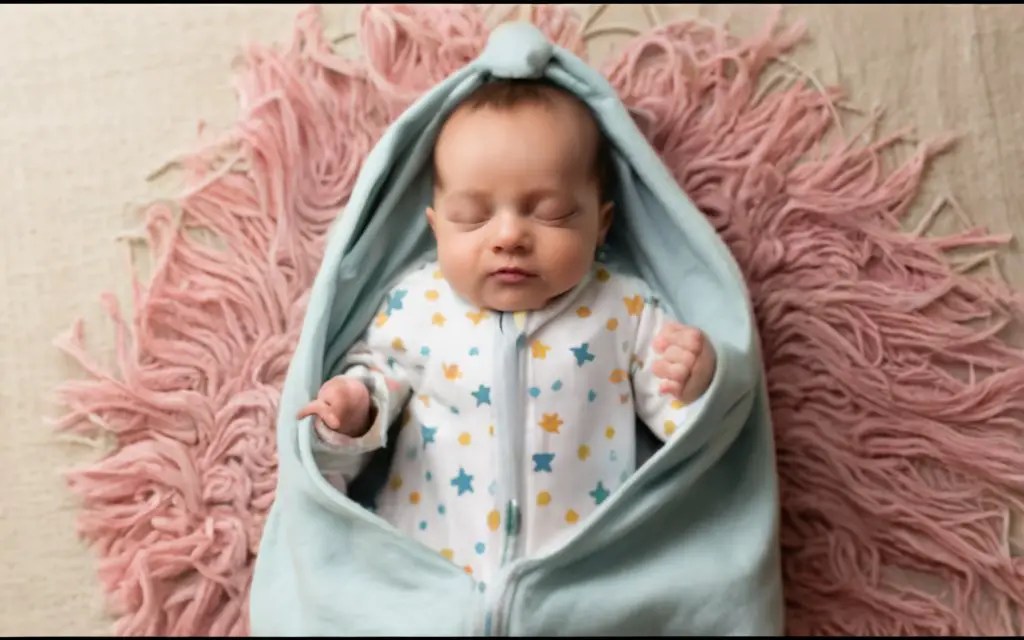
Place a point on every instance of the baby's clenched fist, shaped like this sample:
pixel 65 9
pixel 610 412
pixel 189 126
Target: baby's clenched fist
pixel 687 363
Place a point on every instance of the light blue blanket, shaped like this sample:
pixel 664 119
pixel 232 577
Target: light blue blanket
pixel 689 546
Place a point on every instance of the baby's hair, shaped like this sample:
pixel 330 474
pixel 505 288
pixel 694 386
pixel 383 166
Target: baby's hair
pixel 507 93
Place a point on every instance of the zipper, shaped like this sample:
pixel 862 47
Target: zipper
pixel 509 418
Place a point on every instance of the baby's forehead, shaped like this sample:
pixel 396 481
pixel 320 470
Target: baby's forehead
pixel 514 98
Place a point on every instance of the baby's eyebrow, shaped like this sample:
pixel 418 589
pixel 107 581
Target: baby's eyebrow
pixel 465 194
pixel 545 192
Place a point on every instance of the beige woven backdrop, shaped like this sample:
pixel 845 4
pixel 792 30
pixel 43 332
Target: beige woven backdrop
pixel 95 97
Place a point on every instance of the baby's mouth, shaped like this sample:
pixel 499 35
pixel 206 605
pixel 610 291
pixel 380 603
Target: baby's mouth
pixel 512 275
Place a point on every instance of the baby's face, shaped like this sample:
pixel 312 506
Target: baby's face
pixel 517 208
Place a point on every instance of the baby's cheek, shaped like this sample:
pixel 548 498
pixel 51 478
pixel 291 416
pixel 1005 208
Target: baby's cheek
pixel 456 255
pixel 570 255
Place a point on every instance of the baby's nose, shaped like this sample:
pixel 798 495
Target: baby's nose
pixel 511 233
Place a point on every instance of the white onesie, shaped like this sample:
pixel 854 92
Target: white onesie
pixel 584 376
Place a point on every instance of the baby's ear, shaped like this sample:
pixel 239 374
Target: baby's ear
pixel 430 216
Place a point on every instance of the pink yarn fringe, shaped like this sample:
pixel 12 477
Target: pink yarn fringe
pixel 891 466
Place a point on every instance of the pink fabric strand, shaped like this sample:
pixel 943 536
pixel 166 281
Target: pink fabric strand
pixel 891 465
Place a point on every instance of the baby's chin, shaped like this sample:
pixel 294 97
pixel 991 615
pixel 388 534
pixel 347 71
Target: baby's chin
pixel 513 298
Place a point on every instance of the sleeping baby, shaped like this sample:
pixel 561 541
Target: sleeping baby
pixel 519 218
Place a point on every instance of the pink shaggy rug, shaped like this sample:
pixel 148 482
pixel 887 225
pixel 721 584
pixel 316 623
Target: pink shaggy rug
pixel 891 466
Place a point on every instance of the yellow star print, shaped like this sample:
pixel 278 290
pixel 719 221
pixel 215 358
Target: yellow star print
pixel 550 422
pixel 432 295
pixel 451 371
pixel 634 305
pixel 398 345
pixel 539 350
pixel 583 312
pixel 438 319
pixel 617 376
pixel 476 316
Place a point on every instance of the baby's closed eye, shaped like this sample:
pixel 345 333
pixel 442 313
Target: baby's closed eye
pixel 468 214
pixel 553 209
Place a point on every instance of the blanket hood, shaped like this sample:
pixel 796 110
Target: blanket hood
pixel 690 549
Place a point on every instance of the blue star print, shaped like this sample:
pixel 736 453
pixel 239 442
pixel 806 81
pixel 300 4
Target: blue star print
pixel 582 354
pixel 542 461
pixel 599 494
pixel 394 301
pixel 463 482
pixel 428 434
pixel 482 395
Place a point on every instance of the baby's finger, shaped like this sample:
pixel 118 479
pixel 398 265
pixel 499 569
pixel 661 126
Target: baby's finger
pixel 670 388
pixel 306 411
pixel 688 337
pixel 678 355
pixel 691 339
pixel 322 411
pixel 660 343
pixel 669 335
pixel 670 371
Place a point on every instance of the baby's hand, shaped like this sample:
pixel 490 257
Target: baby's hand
pixel 687 363
pixel 343 405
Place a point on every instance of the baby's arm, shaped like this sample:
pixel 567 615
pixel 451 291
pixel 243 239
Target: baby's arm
pixel 380 363
pixel 674 367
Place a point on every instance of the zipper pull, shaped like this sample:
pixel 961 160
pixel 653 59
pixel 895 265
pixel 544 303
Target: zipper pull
pixel 513 519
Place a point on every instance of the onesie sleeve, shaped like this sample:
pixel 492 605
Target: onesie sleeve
pixel 380 361
pixel 663 414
